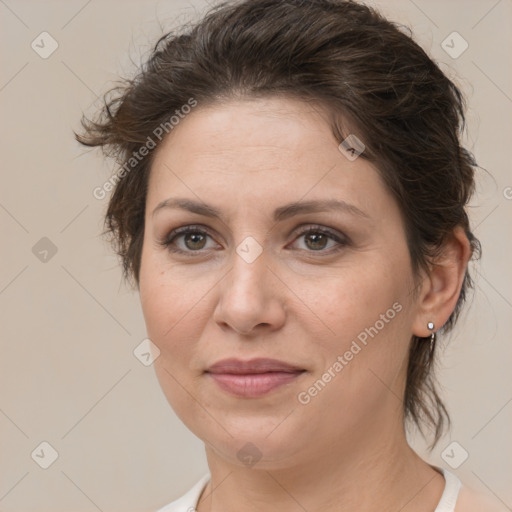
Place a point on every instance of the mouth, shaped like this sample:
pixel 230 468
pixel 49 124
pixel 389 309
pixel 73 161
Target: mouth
pixel 253 378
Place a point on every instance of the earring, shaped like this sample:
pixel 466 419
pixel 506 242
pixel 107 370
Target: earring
pixel 431 327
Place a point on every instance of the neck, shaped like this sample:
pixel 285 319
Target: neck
pixel 384 475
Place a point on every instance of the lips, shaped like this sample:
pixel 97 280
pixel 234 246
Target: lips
pixel 252 378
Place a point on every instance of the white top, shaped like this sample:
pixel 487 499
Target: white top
pixel 188 502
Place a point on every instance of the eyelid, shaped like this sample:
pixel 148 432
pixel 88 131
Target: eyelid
pixel 167 240
pixel 308 227
pixel 341 239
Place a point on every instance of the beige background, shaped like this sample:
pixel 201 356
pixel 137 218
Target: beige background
pixel 68 375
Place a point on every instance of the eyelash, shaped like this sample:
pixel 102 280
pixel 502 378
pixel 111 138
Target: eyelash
pixel 173 235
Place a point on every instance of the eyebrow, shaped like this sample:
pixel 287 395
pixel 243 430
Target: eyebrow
pixel 280 214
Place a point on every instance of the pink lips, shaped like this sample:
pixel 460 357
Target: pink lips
pixel 252 378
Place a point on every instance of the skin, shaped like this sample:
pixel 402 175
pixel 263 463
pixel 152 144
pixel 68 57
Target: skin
pixel 293 303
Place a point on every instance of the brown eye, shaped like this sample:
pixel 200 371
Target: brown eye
pixel 189 239
pixel 321 240
pixel 194 241
pixel 316 241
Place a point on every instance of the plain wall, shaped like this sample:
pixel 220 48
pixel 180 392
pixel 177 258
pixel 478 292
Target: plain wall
pixel 68 375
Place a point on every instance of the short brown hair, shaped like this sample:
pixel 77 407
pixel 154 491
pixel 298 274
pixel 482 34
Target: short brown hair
pixel 343 56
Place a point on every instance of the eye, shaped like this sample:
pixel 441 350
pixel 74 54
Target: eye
pixel 194 239
pixel 320 239
pixel 187 239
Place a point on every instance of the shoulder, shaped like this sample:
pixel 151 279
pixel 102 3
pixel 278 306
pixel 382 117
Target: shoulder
pixel 473 501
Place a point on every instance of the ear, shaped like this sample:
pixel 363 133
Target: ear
pixel 442 283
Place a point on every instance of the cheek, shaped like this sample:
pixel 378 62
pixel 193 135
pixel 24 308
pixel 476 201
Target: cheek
pixel 166 295
pixel 172 310
pixel 367 310
pixel 161 307
pixel 355 298
pixel 176 307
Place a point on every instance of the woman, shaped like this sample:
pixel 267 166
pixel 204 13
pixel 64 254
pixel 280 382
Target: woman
pixel 290 203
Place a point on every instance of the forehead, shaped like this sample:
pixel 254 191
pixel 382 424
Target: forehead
pixel 280 125
pixel 254 152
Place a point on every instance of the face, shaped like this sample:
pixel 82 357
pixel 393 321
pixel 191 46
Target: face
pixel 291 252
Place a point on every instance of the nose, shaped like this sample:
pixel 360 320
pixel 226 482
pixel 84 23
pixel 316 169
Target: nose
pixel 251 298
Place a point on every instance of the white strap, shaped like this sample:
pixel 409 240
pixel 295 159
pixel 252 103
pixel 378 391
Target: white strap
pixel 450 493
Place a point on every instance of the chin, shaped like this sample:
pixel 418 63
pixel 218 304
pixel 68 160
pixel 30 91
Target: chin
pixel 263 442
